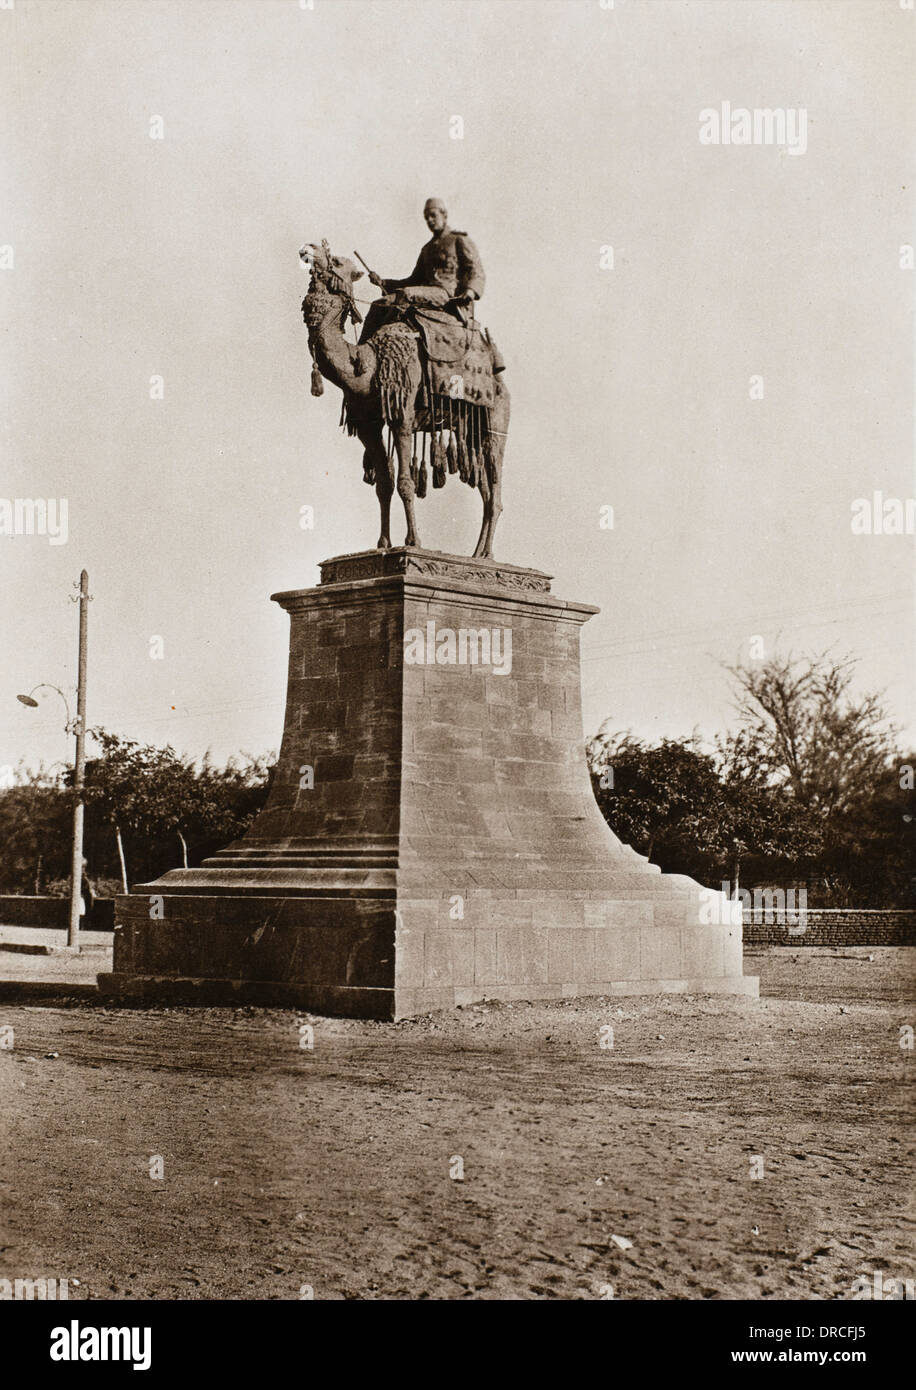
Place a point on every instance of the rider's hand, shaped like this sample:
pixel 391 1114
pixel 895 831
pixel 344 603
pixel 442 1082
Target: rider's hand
pixel 376 280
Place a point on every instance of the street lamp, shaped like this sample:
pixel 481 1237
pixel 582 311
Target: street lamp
pixel 33 703
pixel 77 727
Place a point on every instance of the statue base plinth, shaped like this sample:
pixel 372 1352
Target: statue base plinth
pixel 431 837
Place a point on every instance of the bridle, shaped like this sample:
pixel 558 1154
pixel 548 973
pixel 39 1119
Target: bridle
pixel 337 285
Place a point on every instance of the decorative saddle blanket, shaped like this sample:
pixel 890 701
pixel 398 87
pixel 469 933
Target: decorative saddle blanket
pixel 459 360
pixel 451 424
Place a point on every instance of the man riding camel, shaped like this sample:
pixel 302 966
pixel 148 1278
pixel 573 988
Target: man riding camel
pixel 448 275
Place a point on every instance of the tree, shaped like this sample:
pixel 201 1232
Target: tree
pixel 136 789
pixel 149 795
pixel 35 815
pixel 655 799
pixel 811 733
pixel 224 801
pixel 694 812
pixel 757 818
pixel 870 853
pixel 807 783
pixel 146 807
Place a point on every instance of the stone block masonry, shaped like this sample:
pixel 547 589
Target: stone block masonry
pixel 431 837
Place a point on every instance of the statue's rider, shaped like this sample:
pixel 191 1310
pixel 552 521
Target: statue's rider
pixel 448 275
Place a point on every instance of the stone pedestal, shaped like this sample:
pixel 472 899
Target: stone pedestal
pixel 431 837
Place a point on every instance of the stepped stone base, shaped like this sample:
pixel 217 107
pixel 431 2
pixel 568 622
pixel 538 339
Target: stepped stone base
pixel 431 837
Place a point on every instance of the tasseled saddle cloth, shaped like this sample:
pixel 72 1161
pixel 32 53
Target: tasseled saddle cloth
pixel 458 390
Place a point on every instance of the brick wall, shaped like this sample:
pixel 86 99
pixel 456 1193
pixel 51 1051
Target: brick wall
pixel 830 926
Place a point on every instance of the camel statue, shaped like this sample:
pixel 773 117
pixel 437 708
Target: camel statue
pixel 384 382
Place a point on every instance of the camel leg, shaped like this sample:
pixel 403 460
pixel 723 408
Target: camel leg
pixel 403 441
pixel 496 504
pixel 375 466
pixel 499 420
pixel 486 495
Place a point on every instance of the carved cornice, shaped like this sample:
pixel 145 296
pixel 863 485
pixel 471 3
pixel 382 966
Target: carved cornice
pixel 376 564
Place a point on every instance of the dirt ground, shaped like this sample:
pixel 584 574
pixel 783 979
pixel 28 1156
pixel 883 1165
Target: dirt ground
pixel 340 1167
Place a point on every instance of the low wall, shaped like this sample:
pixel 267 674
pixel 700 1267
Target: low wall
pixel 19 910
pixel 830 926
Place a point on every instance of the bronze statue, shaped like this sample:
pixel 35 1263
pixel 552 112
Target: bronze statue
pixel 423 367
pixel 448 274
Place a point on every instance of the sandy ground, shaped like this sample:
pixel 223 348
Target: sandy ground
pixel 338 1167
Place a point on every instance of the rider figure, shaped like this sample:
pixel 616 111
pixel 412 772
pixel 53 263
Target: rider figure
pixel 448 274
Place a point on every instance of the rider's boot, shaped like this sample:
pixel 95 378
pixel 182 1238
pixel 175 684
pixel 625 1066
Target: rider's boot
pixel 498 363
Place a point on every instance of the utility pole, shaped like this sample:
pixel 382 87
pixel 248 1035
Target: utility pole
pixel 79 772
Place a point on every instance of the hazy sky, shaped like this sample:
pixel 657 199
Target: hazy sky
pixel 137 257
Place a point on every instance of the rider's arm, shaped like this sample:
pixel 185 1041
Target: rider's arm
pixel 415 277
pixel 471 279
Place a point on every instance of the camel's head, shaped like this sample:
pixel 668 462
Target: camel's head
pixel 336 272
